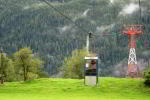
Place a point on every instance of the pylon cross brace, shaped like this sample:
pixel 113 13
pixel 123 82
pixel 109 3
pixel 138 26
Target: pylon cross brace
pixel 132 56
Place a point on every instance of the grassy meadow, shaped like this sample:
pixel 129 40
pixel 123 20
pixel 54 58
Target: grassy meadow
pixel 72 89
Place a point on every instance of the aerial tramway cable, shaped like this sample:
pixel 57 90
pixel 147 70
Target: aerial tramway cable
pixel 65 16
pixel 68 18
pixel 140 11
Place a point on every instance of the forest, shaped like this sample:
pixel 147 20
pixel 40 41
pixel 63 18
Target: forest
pixel 35 24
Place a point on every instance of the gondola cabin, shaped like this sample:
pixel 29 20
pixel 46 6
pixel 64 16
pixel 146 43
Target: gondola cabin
pixel 91 71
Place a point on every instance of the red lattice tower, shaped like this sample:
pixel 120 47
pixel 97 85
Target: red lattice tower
pixel 132 31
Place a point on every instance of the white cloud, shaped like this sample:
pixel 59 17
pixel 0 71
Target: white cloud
pixel 111 1
pixel 36 5
pixel 26 7
pixel 104 27
pixel 65 28
pixel 81 15
pixel 85 12
pixel 129 9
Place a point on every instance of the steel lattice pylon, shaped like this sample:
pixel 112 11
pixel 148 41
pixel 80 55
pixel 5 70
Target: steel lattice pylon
pixel 132 31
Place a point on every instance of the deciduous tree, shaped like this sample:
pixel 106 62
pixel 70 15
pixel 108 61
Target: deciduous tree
pixel 27 63
pixel 6 68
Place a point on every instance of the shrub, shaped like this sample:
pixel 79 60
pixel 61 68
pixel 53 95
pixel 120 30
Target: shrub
pixel 147 77
pixel 74 65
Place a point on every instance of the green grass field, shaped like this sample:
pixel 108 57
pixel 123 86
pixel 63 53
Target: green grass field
pixel 69 89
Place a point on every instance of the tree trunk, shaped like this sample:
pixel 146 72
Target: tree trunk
pixel 25 77
pixel 24 69
pixel 148 63
pixel 2 80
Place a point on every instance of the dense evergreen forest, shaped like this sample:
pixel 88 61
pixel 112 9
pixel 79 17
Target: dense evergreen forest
pixel 34 24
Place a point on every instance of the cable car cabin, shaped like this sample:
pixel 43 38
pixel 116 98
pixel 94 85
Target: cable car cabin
pixel 91 71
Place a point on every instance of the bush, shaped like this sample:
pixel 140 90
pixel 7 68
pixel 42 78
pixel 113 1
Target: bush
pixel 147 77
pixel 74 65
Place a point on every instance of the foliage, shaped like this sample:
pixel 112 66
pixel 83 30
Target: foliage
pixel 147 77
pixel 34 24
pixel 6 68
pixel 26 63
pixel 73 89
pixel 43 74
pixel 74 65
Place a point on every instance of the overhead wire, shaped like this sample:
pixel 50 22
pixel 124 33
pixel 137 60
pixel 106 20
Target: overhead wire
pixel 68 18
pixel 140 10
pixel 65 16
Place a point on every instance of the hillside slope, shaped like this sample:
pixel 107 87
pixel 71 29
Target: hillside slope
pixel 68 89
pixel 34 24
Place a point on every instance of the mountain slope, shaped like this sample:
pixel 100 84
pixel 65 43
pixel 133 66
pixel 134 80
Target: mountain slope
pixel 34 24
